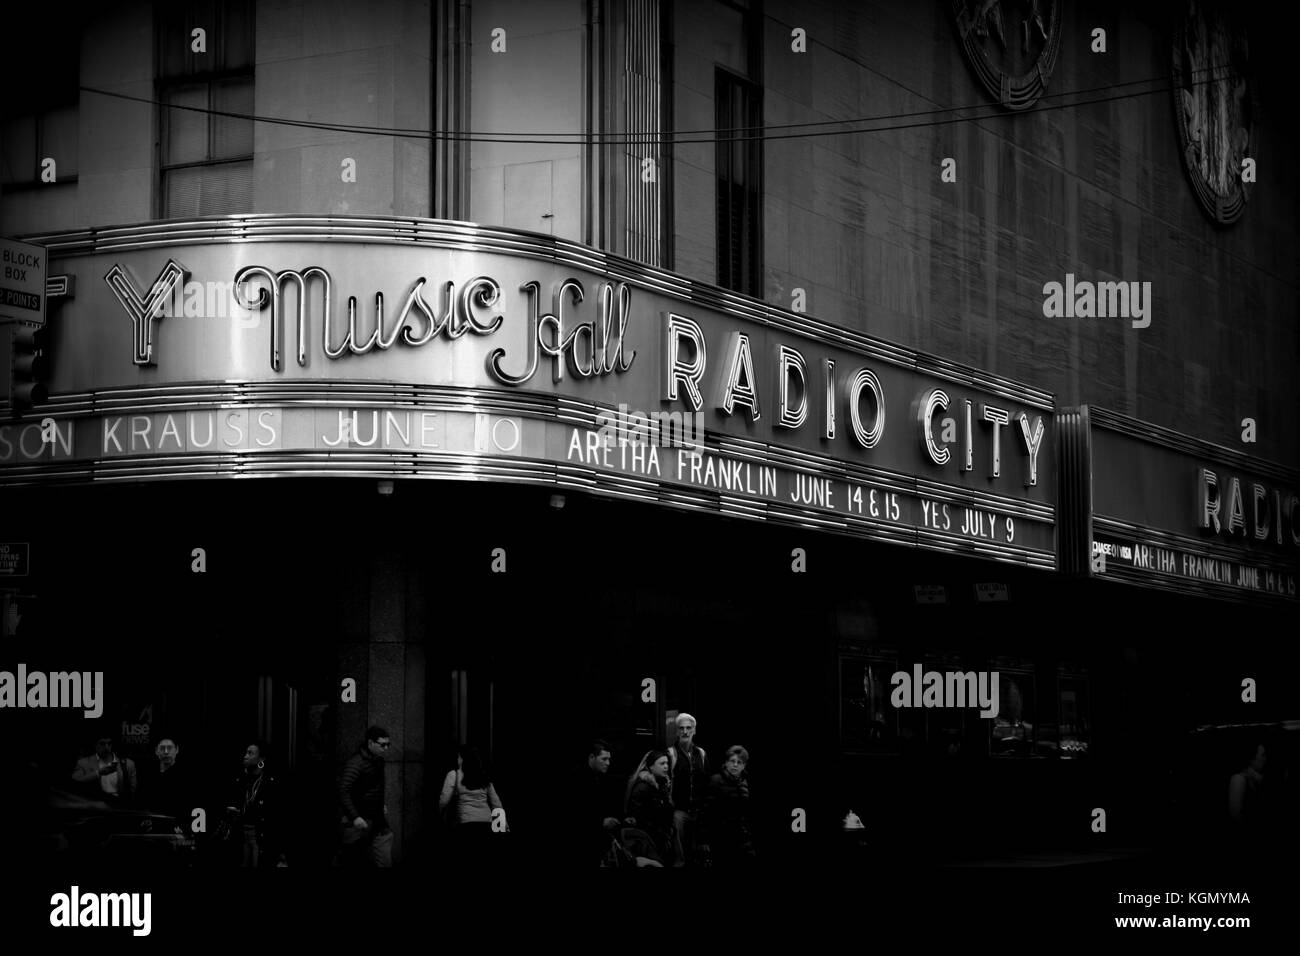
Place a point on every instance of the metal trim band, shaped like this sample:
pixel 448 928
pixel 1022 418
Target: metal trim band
pixel 536 405
pixel 1074 490
pixel 1207 590
pixel 1213 549
pixel 470 237
pixel 1178 441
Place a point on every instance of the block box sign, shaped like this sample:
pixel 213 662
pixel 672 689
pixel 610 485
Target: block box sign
pixel 23 269
pixel 374 342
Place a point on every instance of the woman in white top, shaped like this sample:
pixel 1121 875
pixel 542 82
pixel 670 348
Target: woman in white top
pixel 472 800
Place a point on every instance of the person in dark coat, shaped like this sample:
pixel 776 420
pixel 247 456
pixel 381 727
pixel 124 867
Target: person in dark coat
pixel 597 804
pixel 650 806
pixel 171 791
pixel 726 813
pixel 252 819
pixel 367 839
pixel 688 767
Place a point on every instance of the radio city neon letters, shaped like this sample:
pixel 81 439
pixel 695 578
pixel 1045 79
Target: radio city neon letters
pixel 685 365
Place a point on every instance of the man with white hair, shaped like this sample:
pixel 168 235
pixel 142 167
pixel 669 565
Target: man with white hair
pixel 689 770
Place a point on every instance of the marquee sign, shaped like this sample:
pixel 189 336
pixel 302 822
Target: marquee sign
pixel 1182 515
pixel 425 348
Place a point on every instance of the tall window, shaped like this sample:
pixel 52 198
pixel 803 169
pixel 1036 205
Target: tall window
pixel 207 158
pixel 40 122
pixel 740 187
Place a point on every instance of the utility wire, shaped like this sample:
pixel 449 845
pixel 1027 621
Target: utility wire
pixel 675 137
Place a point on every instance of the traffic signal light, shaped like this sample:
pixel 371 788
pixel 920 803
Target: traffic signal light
pixel 28 366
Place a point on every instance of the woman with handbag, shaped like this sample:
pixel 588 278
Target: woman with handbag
pixel 467 803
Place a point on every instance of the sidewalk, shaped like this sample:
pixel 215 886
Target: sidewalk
pixel 1058 858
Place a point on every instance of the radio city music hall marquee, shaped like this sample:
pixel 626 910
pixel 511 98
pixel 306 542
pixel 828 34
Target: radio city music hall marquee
pixel 446 347
pixel 1173 512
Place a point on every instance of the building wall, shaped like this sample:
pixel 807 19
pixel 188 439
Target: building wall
pixel 534 86
pixel 704 36
pixel 863 224
pixel 115 137
pixel 354 64
pixel 334 62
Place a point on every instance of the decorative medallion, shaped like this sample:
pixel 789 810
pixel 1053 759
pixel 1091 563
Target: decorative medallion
pixel 1213 107
pixel 1011 45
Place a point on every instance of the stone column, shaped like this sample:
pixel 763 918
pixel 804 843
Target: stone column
pixel 383 651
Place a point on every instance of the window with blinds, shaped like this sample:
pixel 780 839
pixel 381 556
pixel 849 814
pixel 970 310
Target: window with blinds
pixel 739 113
pixel 206 106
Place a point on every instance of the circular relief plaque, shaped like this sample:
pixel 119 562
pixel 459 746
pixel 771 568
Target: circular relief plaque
pixel 1011 45
pixel 1213 106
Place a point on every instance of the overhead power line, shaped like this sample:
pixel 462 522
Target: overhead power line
pixel 885 123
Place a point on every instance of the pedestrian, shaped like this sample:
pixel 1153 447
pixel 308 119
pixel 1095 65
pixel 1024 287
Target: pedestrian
pixel 252 822
pixel 597 806
pixel 170 790
pixel 649 805
pixel 367 839
pixel 106 776
pixel 469 803
pixel 726 817
pixel 688 766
